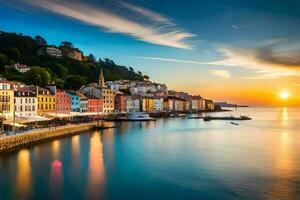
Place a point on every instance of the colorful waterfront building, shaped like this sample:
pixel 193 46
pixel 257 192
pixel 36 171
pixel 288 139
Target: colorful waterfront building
pixel 132 104
pixel 95 105
pixel 6 97
pixel 46 100
pixel 186 105
pixel 75 101
pixel 83 102
pixel 25 100
pixel 195 103
pixel 179 104
pixel 147 104
pixel 62 102
pixel 120 103
pixel 209 104
pixel 158 104
pixel 168 104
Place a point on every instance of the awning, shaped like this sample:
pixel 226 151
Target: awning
pixel 85 114
pixel 24 120
pixel 14 124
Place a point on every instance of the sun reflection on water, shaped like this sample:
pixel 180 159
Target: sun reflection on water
pixel 96 173
pixel 24 182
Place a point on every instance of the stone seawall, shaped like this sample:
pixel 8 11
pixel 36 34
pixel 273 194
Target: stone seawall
pixel 15 142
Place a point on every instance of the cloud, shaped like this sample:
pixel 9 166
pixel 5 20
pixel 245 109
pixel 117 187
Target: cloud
pixel 221 73
pixel 170 60
pixel 158 30
pixel 147 13
pixel 235 27
pixel 279 59
pixel 286 54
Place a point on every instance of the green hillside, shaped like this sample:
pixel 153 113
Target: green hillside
pixel 64 72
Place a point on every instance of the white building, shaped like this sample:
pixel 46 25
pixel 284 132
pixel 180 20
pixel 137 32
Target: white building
pixel 158 104
pixel 25 101
pixel 83 102
pixel 51 50
pixel 132 104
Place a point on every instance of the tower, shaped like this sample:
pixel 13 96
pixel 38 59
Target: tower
pixel 101 80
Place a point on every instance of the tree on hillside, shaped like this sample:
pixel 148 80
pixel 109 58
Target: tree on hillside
pixel 61 71
pixel 74 82
pixel 40 40
pixel 4 60
pixel 37 75
pixel 14 54
pixel 146 78
pixel 92 57
pixel 66 44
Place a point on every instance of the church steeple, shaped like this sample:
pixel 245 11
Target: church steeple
pixel 101 80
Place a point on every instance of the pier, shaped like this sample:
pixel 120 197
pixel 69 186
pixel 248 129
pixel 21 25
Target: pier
pixel 14 142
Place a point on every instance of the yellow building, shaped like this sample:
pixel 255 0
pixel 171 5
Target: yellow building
pixel 6 97
pixel 46 100
pixel 147 104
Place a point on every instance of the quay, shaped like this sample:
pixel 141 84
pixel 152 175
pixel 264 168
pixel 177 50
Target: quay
pixel 209 118
pixel 14 142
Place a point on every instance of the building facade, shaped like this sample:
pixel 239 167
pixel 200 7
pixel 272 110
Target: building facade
pixel 209 104
pixel 95 105
pixel 147 104
pixel 158 104
pixel 51 50
pixel 62 102
pixel 168 104
pixel 83 102
pixel 25 101
pixel 132 104
pixel 46 100
pixel 74 101
pixel 120 103
pixel 6 97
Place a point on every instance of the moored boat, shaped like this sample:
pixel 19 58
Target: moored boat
pixel 139 116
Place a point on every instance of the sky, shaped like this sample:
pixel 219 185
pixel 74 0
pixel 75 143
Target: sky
pixel 245 52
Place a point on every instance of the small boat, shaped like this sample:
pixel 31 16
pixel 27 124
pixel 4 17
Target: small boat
pixel 206 119
pixel 177 115
pixel 139 116
pixel 233 123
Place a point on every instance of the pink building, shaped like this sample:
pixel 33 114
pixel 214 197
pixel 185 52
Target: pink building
pixel 62 101
pixel 95 105
pixel 120 103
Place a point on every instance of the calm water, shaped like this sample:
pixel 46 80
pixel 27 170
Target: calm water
pixel 166 159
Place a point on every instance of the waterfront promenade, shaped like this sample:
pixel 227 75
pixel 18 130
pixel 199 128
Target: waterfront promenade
pixel 13 142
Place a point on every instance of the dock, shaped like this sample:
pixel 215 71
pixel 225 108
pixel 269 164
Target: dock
pixel 231 118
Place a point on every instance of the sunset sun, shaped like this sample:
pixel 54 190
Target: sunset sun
pixel 284 95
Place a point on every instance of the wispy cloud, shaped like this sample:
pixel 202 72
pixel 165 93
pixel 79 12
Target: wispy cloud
pixel 235 27
pixel 224 5
pixel 280 59
pixel 159 30
pixel 221 73
pixel 171 60
pixel 147 13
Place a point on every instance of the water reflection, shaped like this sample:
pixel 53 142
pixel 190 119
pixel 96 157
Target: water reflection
pixel 56 180
pixel 24 182
pixel 284 166
pixel 75 142
pixel 96 173
pixel 55 149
